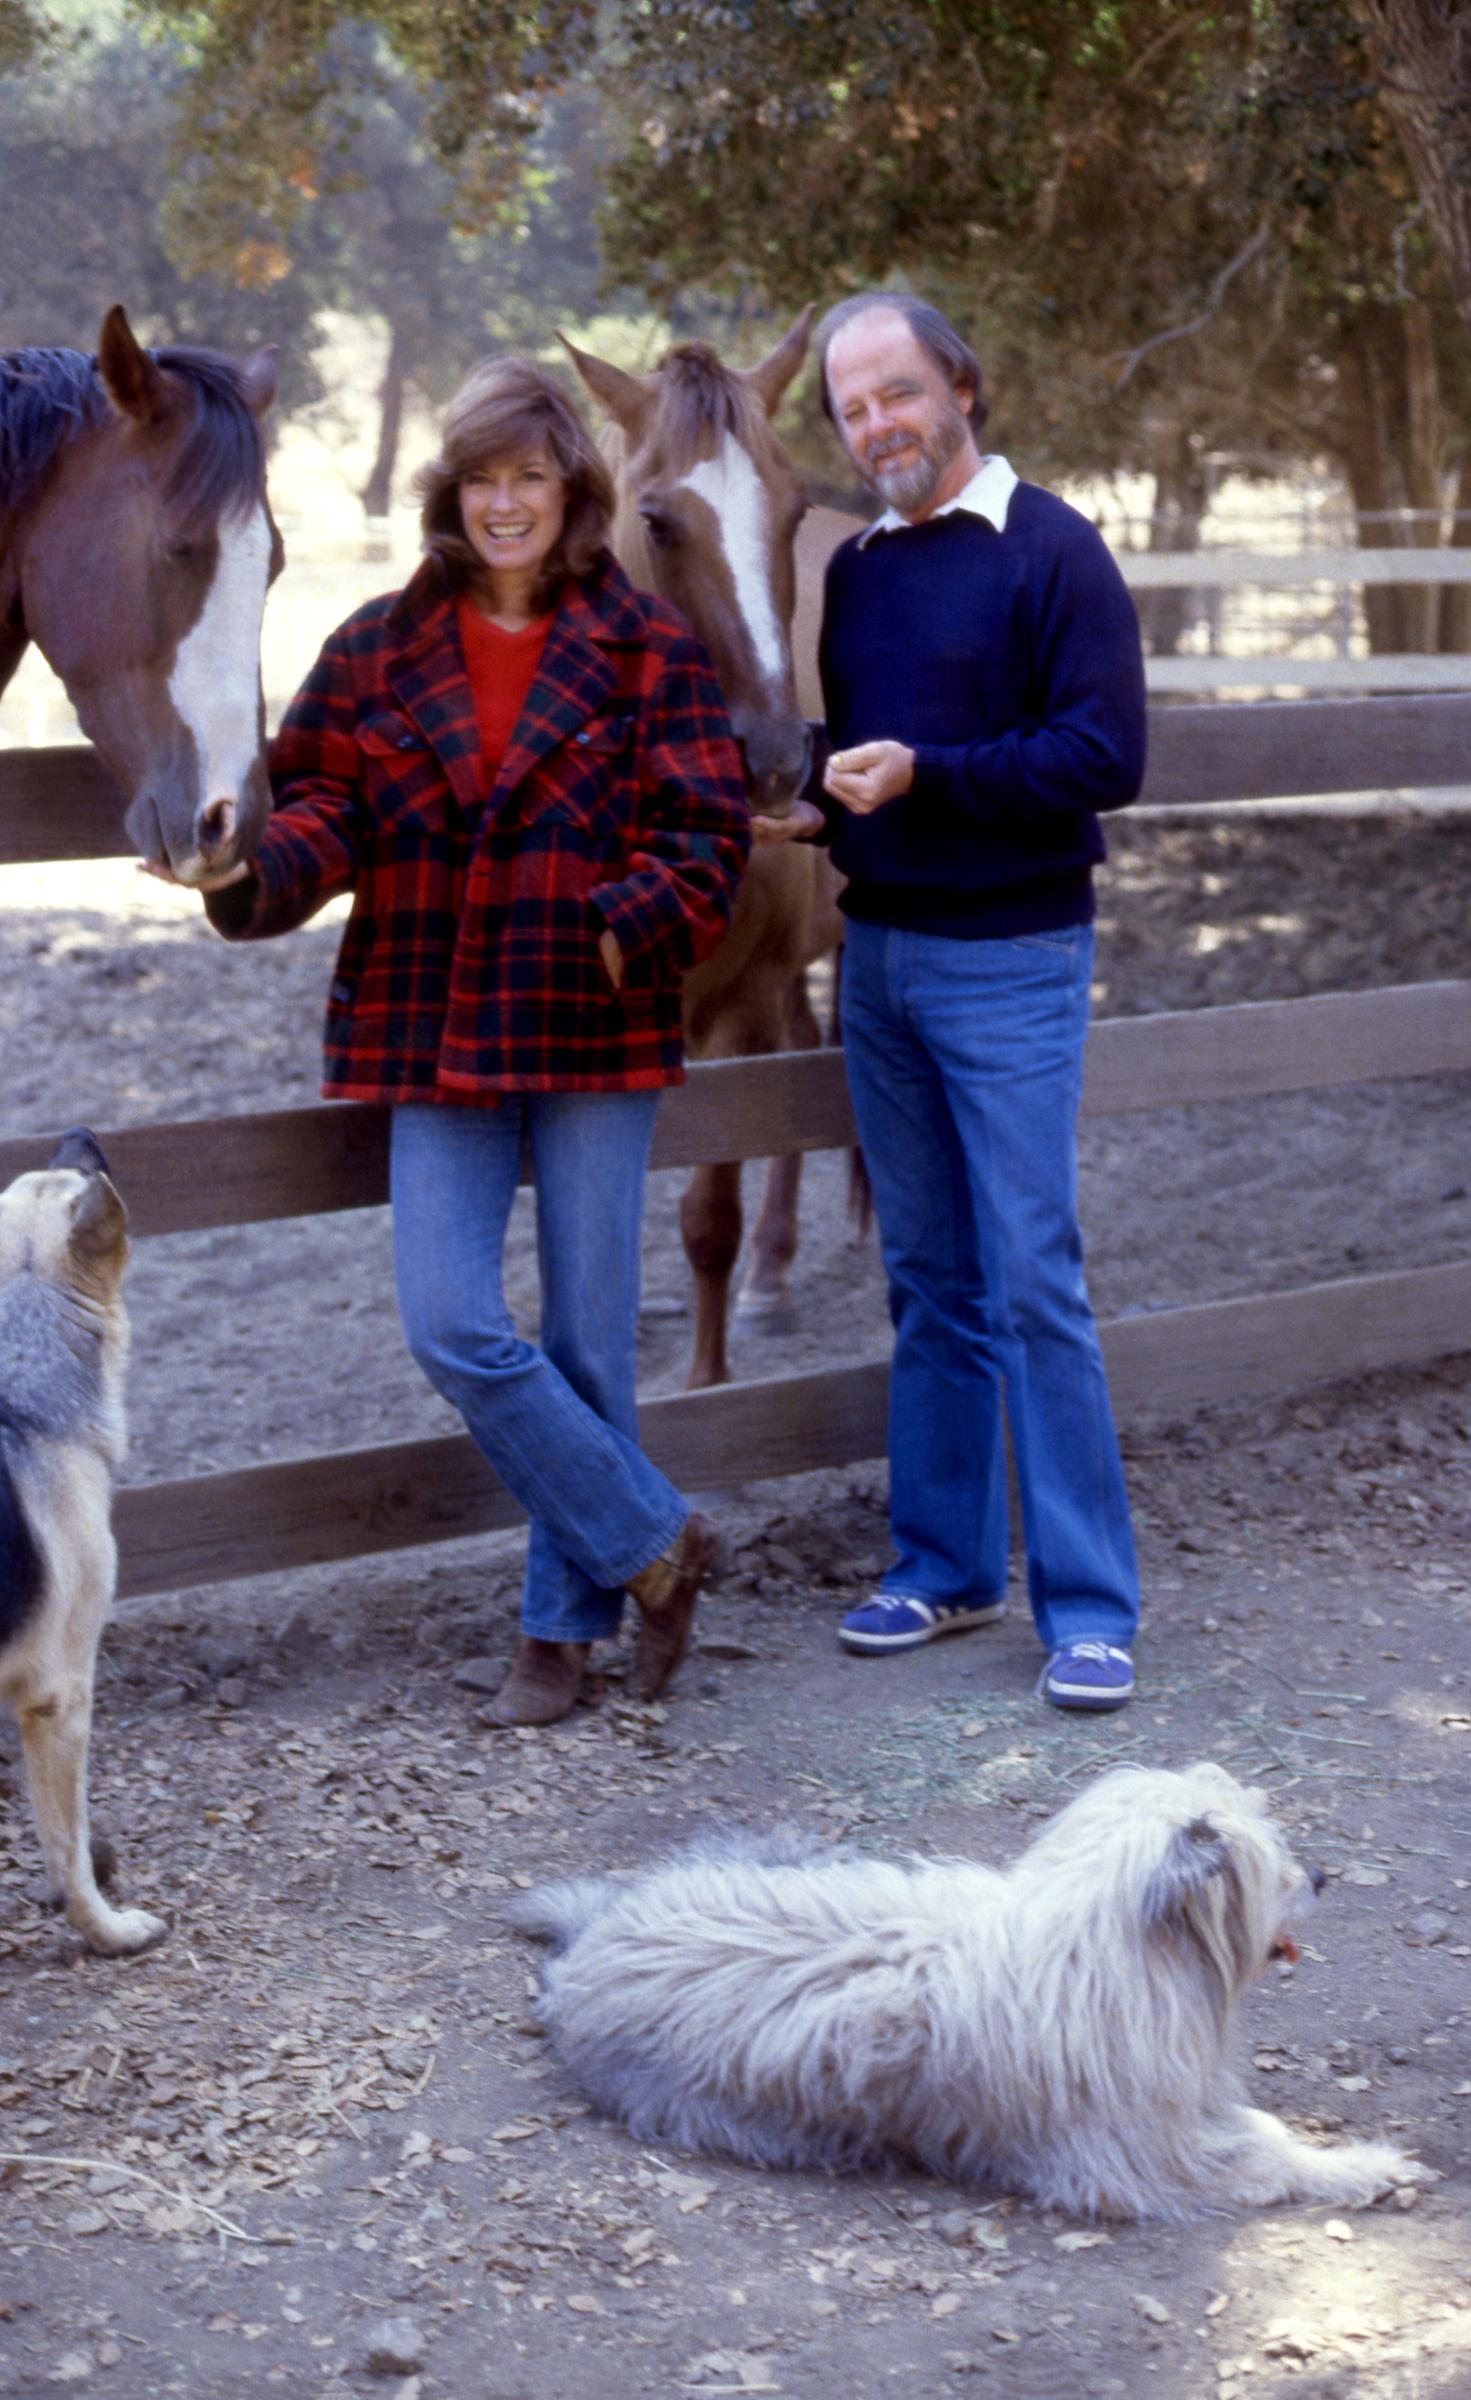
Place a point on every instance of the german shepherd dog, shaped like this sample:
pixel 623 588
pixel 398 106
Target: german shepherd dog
pixel 63 1350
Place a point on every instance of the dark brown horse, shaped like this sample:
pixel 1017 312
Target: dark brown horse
pixel 136 548
pixel 709 506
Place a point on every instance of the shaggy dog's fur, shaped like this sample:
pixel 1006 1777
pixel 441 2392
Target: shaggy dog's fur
pixel 63 1348
pixel 1062 2029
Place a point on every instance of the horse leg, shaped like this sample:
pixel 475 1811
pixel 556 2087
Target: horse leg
pixel 710 1220
pixel 764 1302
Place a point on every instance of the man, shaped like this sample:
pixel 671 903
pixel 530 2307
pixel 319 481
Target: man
pixel 984 690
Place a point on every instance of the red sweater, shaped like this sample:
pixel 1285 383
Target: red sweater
pixel 500 667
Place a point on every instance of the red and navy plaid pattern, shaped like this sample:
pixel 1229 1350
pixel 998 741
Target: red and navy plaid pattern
pixel 470 961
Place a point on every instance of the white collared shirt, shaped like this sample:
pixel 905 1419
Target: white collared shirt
pixel 988 495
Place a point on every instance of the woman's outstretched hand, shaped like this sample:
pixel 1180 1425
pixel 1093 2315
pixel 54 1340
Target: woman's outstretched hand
pixel 206 883
pixel 800 823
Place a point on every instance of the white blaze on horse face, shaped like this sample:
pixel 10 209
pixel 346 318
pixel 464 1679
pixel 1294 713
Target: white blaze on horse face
pixel 215 685
pixel 731 487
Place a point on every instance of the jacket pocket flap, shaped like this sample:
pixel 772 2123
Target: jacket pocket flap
pixel 386 735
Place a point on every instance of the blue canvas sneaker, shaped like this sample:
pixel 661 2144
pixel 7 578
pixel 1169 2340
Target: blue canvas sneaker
pixel 898 1621
pixel 1088 1675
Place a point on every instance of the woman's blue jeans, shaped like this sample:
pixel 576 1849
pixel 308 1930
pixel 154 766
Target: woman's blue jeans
pixel 965 1063
pixel 558 1423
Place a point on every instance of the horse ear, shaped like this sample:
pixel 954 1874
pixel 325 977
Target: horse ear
pixel 627 398
pixel 134 384
pixel 258 379
pixel 770 379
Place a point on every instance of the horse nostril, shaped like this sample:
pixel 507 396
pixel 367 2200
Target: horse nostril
pixel 1317 1878
pixel 215 826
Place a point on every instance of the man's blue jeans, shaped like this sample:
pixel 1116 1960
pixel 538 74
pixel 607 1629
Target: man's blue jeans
pixel 965 1062
pixel 558 1424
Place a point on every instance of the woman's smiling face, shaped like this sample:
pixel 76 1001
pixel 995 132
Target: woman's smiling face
pixel 512 509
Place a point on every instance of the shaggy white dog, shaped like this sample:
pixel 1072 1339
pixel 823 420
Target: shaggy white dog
pixel 1062 2029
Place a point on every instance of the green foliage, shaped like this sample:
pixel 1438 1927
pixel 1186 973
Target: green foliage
pixel 83 151
pixel 1164 224
pixel 279 95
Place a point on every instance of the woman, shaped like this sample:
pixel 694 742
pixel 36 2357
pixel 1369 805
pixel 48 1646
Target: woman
pixel 523 771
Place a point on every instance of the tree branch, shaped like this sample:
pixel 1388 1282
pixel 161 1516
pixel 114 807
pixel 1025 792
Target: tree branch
pixel 1128 360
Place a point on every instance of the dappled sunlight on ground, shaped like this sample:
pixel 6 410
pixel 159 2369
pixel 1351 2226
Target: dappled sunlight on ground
pixel 1338 2292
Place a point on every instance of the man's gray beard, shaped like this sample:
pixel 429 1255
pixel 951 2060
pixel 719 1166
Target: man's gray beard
pixel 909 488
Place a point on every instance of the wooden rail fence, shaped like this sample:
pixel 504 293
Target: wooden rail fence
pixel 305 1161
pixel 1235 569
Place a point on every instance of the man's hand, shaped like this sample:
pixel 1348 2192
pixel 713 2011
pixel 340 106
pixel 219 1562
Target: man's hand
pixel 611 956
pixel 802 820
pixel 863 779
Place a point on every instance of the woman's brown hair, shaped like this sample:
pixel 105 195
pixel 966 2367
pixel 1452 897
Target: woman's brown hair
pixel 513 404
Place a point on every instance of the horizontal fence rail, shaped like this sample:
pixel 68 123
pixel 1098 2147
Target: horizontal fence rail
pixel 1393 671
pixel 187 1176
pixel 57 805
pixel 210 1529
pixel 60 804
pixel 1279 570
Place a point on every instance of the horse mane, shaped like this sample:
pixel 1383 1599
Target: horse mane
pixel 47 397
pixel 50 397
pixel 697 390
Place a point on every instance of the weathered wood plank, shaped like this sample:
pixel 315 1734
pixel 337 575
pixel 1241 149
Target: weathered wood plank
pixel 309 1512
pixel 1276 749
pixel 1259 1047
pixel 298 1162
pixel 58 804
pixel 1201 570
pixel 1279 1341
pixel 1392 671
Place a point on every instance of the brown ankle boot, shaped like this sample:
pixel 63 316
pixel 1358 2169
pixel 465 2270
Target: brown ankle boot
pixel 543 1684
pixel 665 1592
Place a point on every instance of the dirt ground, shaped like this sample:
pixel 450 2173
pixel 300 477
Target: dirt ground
pixel 314 2145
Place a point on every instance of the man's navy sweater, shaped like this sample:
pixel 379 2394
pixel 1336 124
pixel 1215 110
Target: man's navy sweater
pixel 1010 664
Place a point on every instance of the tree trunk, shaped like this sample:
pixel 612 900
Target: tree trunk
pixel 1420 51
pixel 1368 456
pixel 1424 483
pixel 378 489
pixel 1179 505
pixel 1454 630
pixel 1391 444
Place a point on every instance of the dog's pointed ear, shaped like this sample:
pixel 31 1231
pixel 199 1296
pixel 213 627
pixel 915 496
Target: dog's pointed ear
pixel 99 1225
pixel 1194 1855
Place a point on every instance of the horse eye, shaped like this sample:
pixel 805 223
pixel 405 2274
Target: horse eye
pixel 184 554
pixel 662 531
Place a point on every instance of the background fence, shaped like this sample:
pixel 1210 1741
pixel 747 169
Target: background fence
pixel 56 804
pixel 1310 596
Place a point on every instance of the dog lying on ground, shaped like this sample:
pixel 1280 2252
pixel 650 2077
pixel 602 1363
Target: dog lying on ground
pixel 1060 2030
pixel 63 1350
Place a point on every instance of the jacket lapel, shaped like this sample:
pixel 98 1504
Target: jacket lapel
pixel 575 675
pixel 427 677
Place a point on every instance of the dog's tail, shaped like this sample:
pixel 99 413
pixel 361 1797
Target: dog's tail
pixel 558 1912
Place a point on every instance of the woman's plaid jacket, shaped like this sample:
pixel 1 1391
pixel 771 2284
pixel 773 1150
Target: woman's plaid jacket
pixel 470 965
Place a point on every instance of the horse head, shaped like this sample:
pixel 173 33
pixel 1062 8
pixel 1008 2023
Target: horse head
pixel 137 556
pixel 709 505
